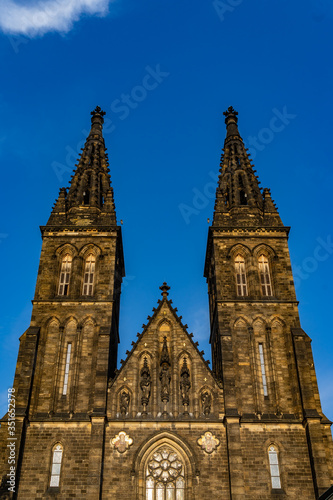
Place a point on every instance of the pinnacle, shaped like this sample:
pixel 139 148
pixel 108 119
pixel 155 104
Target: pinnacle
pixel 239 198
pixel 164 289
pixel 90 193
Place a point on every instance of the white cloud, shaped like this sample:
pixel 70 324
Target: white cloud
pixel 38 18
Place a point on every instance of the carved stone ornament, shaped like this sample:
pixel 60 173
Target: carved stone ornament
pixel 208 442
pixel 124 402
pixel 121 442
pixel 206 402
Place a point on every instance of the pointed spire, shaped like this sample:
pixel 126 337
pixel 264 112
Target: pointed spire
pixel 185 369
pixel 239 200
pixel 165 358
pixel 90 195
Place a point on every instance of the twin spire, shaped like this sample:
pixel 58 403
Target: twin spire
pixel 89 199
pixel 239 199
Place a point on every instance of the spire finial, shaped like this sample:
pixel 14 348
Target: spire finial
pixel 231 121
pixel 164 289
pixel 97 111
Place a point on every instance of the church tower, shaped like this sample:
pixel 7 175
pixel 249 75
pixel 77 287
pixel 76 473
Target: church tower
pixel 260 353
pixel 162 425
pixel 69 352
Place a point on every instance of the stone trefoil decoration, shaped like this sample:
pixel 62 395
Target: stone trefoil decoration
pixel 185 386
pixel 121 442
pixel 165 376
pixel 208 442
pixel 145 384
pixel 124 402
pixel 206 402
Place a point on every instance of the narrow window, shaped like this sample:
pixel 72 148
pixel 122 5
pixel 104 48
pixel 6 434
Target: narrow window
pixel 240 276
pixel 89 274
pixel 242 197
pixel 56 466
pixel 265 279
pixel 263 369
pixel 86 197
pixel 274 467
pixel 65 273
pixel 68 360
pixel 240 180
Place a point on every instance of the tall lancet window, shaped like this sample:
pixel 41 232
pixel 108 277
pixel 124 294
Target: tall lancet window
pixel 165 476
pixel 263 369
pixel 67 365
pixel 56 466
pixel 240 276
pixel 265 278
pixel 274 467
pixel 65 273
pixel 89 275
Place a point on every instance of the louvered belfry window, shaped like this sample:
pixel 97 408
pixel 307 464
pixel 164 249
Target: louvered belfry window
pixel 265 278
pixel 240 276
pixel 65 273
pixel 89 275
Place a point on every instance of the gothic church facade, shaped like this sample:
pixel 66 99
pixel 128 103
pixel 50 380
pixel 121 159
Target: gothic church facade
pixel 165 426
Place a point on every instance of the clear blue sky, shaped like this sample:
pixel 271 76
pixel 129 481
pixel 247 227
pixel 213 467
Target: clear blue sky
pixel 164 144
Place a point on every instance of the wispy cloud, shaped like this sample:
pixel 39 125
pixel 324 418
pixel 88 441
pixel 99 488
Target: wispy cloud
pixel 35 18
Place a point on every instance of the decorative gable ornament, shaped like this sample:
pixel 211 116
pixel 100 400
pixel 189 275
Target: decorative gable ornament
pixel 121 442
pixel 208 442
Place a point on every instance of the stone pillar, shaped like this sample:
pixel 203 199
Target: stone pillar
pixel 96 456
pixel 235 460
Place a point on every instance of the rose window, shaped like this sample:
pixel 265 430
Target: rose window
pixel 165 476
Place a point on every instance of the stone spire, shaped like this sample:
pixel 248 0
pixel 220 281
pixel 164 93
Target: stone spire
pixel 89 199
pixel 239 199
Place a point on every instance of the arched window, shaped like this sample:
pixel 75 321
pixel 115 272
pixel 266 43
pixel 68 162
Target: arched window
pixel 274 467
pixel 165 475
pixel 265 278
pixel 89 275
pixel 65 273
pixel 56 466
pixel 240 276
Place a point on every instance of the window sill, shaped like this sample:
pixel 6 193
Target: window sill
pixel 53 490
